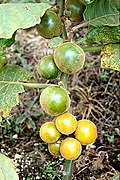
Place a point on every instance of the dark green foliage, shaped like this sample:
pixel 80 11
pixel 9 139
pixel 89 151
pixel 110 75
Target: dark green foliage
pixel 103 35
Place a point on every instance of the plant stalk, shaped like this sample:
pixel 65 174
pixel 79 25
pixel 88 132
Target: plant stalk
pixel 30 85
pixel 69 169
pixel 91 48
pixel 64 79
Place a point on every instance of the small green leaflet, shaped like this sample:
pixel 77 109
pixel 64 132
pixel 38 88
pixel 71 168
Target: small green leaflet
pixel 9 92
pixel 102 13
pixel 54 42
pixel 15 16
pixel 7 169
pixel 111 57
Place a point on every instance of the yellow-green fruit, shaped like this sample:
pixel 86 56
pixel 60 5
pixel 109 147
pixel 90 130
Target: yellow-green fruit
pixel 76 8
pixel 70 148
pixel 54 148
pixel 69 57
pixel 54 100
pixel 49 133
pixel 50 25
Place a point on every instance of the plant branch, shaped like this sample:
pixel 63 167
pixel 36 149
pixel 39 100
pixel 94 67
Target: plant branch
pixel 76 27
pixel 30 85
pixel 64 79
pixel 62 5
pixel 91 48
pixel 69 169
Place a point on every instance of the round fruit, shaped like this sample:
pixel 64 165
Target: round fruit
pixel 70 148
pixel 54 148
pixel 86 132
pixel 49 132
pixel 47 68
pixel 54 100
pixel 69 57
pixel 50 25
pixel 76 8
pixel 66 123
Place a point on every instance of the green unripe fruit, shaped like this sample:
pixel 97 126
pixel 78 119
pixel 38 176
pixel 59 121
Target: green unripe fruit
pixel 76 8
pixel 50 25
pixel 54 148
pixel 69 57
pixel 54 100
pixel 47 68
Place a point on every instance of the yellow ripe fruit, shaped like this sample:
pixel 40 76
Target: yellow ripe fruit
pixel 86 132
pixel 66 123
pixel 49 133
pixel 70 148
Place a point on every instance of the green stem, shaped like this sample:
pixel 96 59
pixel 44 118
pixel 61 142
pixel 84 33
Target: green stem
pixel 64 79
pixel 30 85
pixel 62 5
pixel 64 33
pixel 69 169
pixel 91 48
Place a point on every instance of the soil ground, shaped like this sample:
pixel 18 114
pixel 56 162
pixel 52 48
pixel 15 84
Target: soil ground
pixel 95 95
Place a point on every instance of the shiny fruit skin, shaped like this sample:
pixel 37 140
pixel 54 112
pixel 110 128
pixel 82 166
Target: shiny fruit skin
pixel 69 57
pixel 49 133
pixel 54 148
pixel 86 132
pixel 76 8
pixel 66 123
pixel 47 68
pixel 54 100
pixel 70 148
pixel 50 25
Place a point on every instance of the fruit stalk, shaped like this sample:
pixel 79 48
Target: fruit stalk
pixel 69 169
pixel 64 78
pixel 30 85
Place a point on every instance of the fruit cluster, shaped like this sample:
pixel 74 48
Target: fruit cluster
pixel 51 24
pixel 68 58
pixel 65 135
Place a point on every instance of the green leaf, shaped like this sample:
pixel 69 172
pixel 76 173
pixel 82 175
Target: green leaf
pixel 103 35
pixel 3 44
pixel 15 16
pixel 31 124
pixel 54 42
pixel 116 176
pixel 7 169
pixel 111 57
pixel 102 13
pixel 20 119
pixel 9 91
